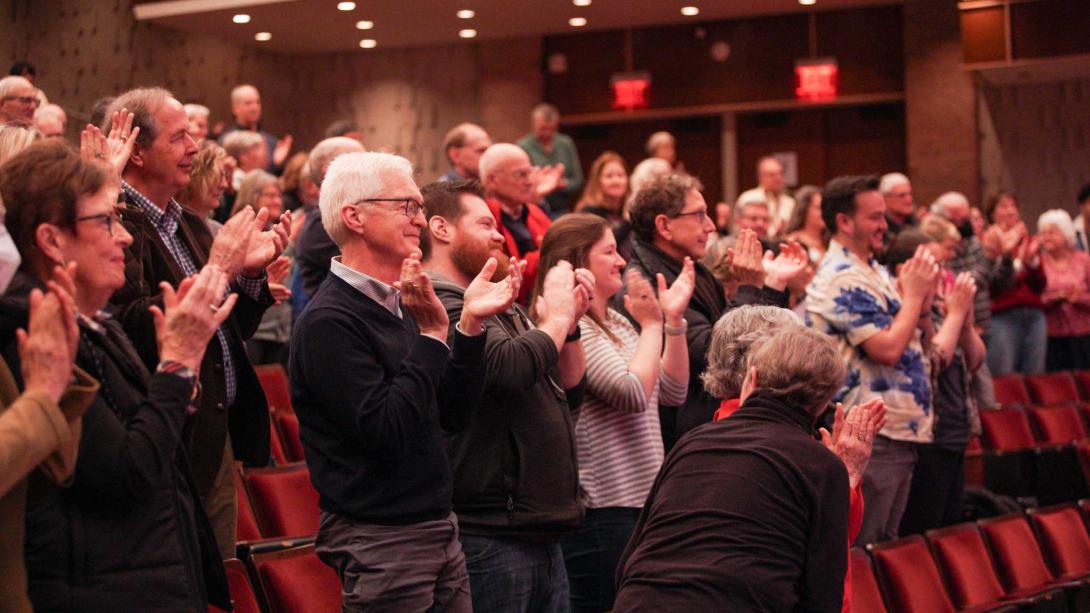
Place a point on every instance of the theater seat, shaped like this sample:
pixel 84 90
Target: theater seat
pixel 285 503
pixel 288 425
pixel 1052 388
pixel 242 593
pixel 1058 425
pixel 1006 430
pixel 1082 383
pixel 1010 390
pixel 1021 564
pixel 274 382
pixel 968 568
pixel 246 529
pixel 909 578
pixel 294 580
pixel 866 596
pixel 1063 535
pixel 276 448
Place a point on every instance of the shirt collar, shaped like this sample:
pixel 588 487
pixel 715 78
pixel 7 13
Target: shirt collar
pixel 387 296
pixel 843 252
pixel 167 219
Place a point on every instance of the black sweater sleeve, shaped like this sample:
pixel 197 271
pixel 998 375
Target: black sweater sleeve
pixel 827 550
pixel 463 381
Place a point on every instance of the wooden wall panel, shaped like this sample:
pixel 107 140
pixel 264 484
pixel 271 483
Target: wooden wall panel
pixel 1052 28
pixel 983 35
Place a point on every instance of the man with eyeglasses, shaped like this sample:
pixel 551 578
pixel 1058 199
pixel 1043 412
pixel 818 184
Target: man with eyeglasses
pixel 18 101
pixel 464 146
pixel 377 388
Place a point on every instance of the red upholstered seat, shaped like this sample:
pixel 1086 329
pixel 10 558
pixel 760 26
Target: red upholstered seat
pixel 1064 537
pixel 246 529
pixel 1010 390
pixel 1006 430
pixel 1058 425
pixel 866 596
pixel 288 425
pixel 274 382
pixel 1052 388
pixel 295 581
pixel 242 593
pixel 276 448
pixel 1082 383
pixel 967 566
pixel 1021 564
pixel 285 503
pixel 909 577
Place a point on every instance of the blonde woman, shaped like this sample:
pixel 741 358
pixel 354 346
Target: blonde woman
pixel 207 183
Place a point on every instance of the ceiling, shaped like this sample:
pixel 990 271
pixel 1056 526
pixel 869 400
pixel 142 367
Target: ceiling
pixel 317 26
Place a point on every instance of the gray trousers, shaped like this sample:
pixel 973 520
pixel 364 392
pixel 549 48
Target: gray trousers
pixel 417 567
pixel 885 489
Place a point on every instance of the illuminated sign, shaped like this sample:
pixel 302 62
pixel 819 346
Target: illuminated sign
pixel 816 79
pixel 631 90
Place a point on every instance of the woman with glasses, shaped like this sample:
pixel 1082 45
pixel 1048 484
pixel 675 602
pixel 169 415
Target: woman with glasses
pixel 129 532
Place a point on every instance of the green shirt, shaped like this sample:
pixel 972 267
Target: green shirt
pixel 563 153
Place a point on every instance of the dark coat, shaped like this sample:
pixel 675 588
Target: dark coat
pixel 147 263
pixel 130 533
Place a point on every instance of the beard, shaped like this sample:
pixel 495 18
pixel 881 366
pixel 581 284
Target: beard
pixel 470 258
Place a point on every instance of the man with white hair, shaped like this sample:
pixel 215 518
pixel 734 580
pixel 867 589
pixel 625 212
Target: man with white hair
pixel 896 189
pixel 51 121
pixel 197 115
pixel 375 440
pixel 464 146
pixel 246 109
pixel 18 101
pixel 507 177
pixel 770 190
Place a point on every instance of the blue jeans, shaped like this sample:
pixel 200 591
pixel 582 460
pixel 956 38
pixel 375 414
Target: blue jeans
pixel 1016 341
pixel 509 576
pixel 592 553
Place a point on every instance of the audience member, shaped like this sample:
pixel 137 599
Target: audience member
pixel 129 532
pixel 750 512
pixel 807 226
pixel 169 242
pixel 605 196
pixel 375 441
pixel 207 183
pixel 98 110
pixel 663 145
pixel 464 146
pixel 770 190
pixel 1082 243
pixel 291 182
pixel 752 215
pixel 24 69
pixel 1018 331
pixel 249 150
pixel 896 189
pixel 1067 293
pixel 15 138
pixel 874 321
pixel 548 148
pixel 512 510
pixel 344 127
pixel 197 116
pixel 246 110
pixel 51 121
pixel 18 101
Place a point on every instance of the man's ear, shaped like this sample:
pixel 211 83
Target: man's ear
pixel 662 227
pixel 352 220
pixel 137 158
pixel 844 223
pixel 441 230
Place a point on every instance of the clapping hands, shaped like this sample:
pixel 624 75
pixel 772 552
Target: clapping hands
pixel 485 298
pixel 852 438
pixel 115 148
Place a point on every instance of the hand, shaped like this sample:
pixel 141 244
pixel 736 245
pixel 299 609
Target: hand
pixel 546 179
pixel 485 298
pixel 266 245
pixel 281 151
pixel 191 315
pixel 280 292
pixel 790 263
pixel 420 300
pixel 47 352
pixel 959 297
pixel 114 149
pixel 278 270
pixel 584 294
pixel 746 263
pixel 917 276
pixel 992 242
pixel 853 436
pixel 63 284
pixel 675 299
pixel 557 300
pixel 639 299
pixel 1010 240
pixel 1029 250
pixel 229 248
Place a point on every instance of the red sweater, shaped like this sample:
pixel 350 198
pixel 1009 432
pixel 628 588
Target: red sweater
pixel 538 223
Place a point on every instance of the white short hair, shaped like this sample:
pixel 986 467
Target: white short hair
pixel 938 207
pixel 193 110
pixel 353 177
pixel 496 155
pixel 240 141
pixel 51 111
pixel 12 83
pixel 323 154
pixel 236 93
pixel 891 180
pixel 1061 219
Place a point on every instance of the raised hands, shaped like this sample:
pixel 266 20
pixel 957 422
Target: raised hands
pixel 485 298
pixel 47 349
pixel 959 296
pixel 547 179
pixel 278 271
pixel 281 151
pixel 745 259
pixel 639 298
pixel 191 315
pixel 853 435
pixel 420 300
pixel 115 148
pixel 243 247
pixel 584 293
pixel 917 276
pixel 675 299
pixel 266 245
pixel 783 268
pixel 557 303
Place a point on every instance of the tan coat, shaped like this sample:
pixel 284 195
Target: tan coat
pixel 34 432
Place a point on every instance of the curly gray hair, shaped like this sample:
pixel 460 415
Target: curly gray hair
pixel 735 335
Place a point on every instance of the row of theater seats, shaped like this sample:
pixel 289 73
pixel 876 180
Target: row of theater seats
pixel 282 577
pixel 1039 561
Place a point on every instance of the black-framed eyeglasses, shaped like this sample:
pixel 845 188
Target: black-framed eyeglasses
pixel 701 215
pixel 412 207
pixel 110 221
pixel 27 100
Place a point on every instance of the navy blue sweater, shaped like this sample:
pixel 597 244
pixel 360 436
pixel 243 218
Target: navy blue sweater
pixel 373 398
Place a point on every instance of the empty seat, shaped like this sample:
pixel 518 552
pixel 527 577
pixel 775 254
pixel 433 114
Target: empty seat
pixel 242 593
pixel 246 528
pixel 1082 383
pixel 1058 425
pixel 288 425
pixel 965 562
pixel 1010 390
pixel 284 501
pixel 909 577
pixel 274 382
pixel 294 580
pixel 1063 535
pixel 1021 564
pixel 1006 430
pixel 1052 388
pixel 866 596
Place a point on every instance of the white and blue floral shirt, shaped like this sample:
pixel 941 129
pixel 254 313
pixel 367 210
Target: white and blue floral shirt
pixel 852 300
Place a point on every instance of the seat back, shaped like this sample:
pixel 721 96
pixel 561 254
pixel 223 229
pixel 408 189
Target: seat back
pixel 909 577
pixel 1058 425
pixel 288 425
pixel 1052 388
pixel 238 582
pixel 1063 536
pixel 276 448
pixel 274 382
pixel 1082 383
pixel 1010 390
pixel 294 580
pixel 1021 563
pixel 964 558
pixel 1006 430
pixel 285 503
pixel 866 596
pixel 246 528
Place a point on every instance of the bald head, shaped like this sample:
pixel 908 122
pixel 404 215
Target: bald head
pixel 464 145
pixel 51 120
pixel 323 154
pixel 246 105
pixel 505 173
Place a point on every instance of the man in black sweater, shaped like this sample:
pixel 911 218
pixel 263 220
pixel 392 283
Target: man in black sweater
pixel 375 387
pixel 750 513
pixel 515 477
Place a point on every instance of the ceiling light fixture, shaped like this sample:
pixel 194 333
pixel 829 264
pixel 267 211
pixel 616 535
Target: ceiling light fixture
pixel 346 6
pixel 581 2
pixel 577 22
pixel 263 36
pixel 807 2
pixel 241 18
pixel 690 11
pixel 467 33
pixel 364 25
pixel 368 43
pixel 466 14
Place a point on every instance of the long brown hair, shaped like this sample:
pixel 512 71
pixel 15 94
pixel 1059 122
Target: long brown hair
pixel 592 193
pixel 569 238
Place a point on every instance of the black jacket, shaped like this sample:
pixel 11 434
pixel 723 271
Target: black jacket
pixel 130 533
pixel 147 262
pixel 515 473
pixel 313 251
pixel 749 513
pixel 707 305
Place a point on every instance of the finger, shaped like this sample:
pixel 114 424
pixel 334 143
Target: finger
pixel 170 298
pixel 662 283
pixel 159 319
pixel 224 310
pixel 21 338
pixel 115 124
pixel 132 136
pixel 126 128
pixel 487 270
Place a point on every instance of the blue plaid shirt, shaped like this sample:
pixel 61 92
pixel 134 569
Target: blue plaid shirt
pixel 166 224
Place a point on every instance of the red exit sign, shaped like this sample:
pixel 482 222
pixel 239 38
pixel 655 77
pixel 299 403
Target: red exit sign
pixel 631 90
pixel 816 79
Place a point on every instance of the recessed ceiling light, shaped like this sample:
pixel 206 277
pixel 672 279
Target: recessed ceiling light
pixel 368 43
pixel 364 25
pixel 689 11
pixel 346 6
pixel 241 18
pixel 577 22
pixel 807 2
pixel 581 2
pixel 263 36
pixel 467 33
pixel 465 14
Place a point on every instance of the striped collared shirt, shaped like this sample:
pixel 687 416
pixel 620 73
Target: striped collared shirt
pixel 386 295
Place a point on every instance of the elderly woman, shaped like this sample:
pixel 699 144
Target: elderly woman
pixel 751 512
pixel 1067 294
pixel 130 533
pixel 629 371
pixel 207 183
